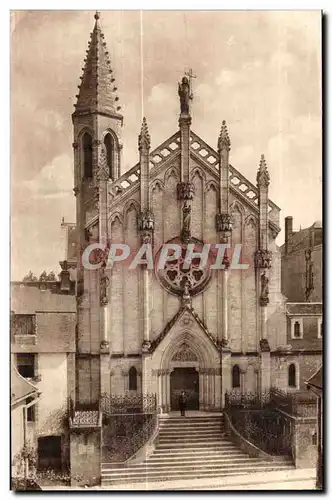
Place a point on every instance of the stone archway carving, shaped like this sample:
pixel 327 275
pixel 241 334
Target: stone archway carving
pixel 184 354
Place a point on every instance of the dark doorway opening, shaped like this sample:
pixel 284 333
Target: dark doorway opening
pixel 187 380
pixel 49 452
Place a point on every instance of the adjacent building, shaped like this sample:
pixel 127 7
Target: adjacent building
pixel 302 263
pixel 43 320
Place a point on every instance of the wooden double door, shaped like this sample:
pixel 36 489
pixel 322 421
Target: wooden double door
pixel 187 380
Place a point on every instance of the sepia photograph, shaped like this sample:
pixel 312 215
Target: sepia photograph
pixel 166 275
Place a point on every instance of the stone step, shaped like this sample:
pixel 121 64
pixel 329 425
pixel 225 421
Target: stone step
pixel 192 444
pixel 191 462
pixel 119 476
pixel 188 428
pixel 150 468
pixel 193 435
pixel 199 452
pixel 187 418
pixel 189 439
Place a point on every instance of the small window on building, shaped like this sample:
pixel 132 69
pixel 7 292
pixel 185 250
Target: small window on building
pixel 236 376
pixel 26 364
pixel 292 375
pixel 320 328
pixel 297 328
pixel 23 324
pixel 30 410
pixel 133 379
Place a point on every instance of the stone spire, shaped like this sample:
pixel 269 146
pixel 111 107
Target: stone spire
pixel 97 91
pixel 263 176
pixel 144 137
pixel 224 142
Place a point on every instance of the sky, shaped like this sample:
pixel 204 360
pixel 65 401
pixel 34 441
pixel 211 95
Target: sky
pixel 258 70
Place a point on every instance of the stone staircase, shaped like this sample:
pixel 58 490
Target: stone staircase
pixel 189 448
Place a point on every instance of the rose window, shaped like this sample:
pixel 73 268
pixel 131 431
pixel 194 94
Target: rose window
pixel 175 276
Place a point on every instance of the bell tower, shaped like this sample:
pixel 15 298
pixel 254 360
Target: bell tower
pixel 97 125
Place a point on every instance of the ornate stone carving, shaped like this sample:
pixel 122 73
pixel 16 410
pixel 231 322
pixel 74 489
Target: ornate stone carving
pixel 103 170
pixel 64 276
pixel 186 320
pixel 144 137
pixel 104 347
pixel 263 176
pixel 146 346
pixel 186 190
pixel 103 286
pixel 184 354
pixel 264 345
pixel 75 145
pixel 97 142
pixel 146 221
pixel 263 259
pixel 185 96
pixel 186 220
pixel 264 298
pixel 174 276
pixel 223 223
pixel 186 298
pixel 76 191
pixel 224 141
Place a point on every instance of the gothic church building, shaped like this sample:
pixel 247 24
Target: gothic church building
pixel 143 331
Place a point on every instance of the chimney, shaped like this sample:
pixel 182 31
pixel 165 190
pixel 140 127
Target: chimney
pixel 288 232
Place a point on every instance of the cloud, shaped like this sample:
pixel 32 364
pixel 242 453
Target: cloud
pixel 226 76
pixel 55 180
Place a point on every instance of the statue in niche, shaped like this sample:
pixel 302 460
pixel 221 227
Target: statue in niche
pixel 264 285
pixel 186 219
pixel 186 299
pixel 185 95
pixel 104 282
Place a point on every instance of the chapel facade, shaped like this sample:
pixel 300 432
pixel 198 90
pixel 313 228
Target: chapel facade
pixel 143 331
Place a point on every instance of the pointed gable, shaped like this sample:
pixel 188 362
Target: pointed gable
pixel 164 157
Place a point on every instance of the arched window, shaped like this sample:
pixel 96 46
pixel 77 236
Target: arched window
pixel 133 379
pixel 292 375
pixel 109 146
pixel 87 155
pixel 236 376
pixel 297 329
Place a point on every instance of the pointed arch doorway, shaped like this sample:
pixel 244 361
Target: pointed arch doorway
pixel 184 379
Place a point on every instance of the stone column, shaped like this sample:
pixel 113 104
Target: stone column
pixel 145 227
pixel 223 222
pixel 201 390
pixel 184 123
pixel 218 389
pixel 226 377
pixel 263 258
pixel 213 388
pixel 164 389
pixel 206 390
pixel 160 389
pixel 168 390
